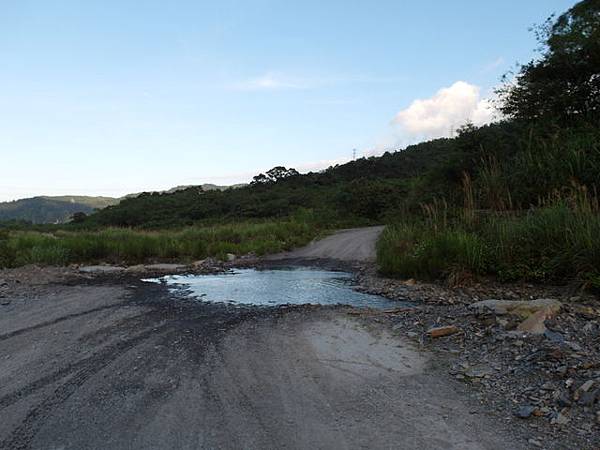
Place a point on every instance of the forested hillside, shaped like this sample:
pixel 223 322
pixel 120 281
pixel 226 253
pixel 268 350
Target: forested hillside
pixel 364 189
pixel 51 209
pixel 62 209
pixel 513 165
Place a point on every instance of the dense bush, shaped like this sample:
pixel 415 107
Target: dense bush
pixel 557 243
pixel 7 252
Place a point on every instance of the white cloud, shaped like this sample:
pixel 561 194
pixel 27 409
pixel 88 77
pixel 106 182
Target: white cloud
pixel 281 81
pixel 269 81
pixel 493 65
pixel 446 110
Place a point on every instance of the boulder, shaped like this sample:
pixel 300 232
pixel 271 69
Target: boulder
pixel 139 268
pixel 230 257
pixel 101 269
pixel 520 308
pixel 560 419
pixel 479 371
pixel 166 267
pixel 442 331
pixel 589 398
pixel 525 411
pixel 586 386
pixel 534 324
pixel 206 262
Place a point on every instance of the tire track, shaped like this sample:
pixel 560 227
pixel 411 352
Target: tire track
pixel 22 436
pixel 58 320
pixel 69 369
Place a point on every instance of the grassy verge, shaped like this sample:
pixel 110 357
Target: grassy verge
pixel 118 245
pixel 559 243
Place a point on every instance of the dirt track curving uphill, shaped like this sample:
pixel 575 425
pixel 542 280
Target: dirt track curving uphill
pixel 356 244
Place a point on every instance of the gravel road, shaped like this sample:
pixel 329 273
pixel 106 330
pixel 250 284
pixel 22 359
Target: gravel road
pixel 356 244
pixel 105 365
pixel 112 362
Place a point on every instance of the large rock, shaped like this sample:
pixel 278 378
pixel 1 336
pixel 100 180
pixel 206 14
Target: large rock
pixel 166 267
pixel 138 268
pixel 534 324
pixel 520 308
pixel 525 411
pixel 442 331
pixel 101 269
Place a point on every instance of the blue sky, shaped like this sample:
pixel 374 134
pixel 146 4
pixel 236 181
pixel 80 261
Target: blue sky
pixel 112 97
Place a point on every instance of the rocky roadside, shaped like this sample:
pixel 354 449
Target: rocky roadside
pixel 28 281
pixel 538 364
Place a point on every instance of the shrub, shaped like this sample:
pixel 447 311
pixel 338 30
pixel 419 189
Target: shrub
pixel 558 243
pixel 418 251
pixel 7 253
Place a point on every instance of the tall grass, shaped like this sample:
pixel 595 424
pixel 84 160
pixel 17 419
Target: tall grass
pixel 118 245
pixel 558 243
pixel 550 164
pixel 415 250
pixel 527 216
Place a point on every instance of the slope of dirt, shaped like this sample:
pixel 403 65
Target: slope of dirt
pixel 357 244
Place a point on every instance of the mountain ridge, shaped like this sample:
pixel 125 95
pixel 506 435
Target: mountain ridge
pixel 42 209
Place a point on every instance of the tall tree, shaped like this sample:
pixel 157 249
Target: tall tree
pixel 564 83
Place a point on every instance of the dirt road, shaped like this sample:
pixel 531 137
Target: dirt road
pixel 122 364
pixel 357 244
pixel 117 363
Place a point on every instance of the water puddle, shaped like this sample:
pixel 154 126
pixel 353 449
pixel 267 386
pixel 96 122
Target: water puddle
pixel 297 286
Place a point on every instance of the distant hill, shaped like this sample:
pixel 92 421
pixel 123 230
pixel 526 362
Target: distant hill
pixel 60 209
pixel 94 202
pixel 52 209
pixel 365 189
pixel 205 187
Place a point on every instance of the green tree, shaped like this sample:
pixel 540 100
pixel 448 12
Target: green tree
pixel 274 175
pixel 564 83
pixel 78 217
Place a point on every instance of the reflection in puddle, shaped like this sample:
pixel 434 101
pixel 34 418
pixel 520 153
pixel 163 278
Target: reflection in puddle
pixel 296 286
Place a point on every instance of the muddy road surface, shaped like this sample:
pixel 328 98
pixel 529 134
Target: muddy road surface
pixel 121 364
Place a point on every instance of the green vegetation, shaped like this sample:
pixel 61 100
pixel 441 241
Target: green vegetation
pixel 360 192
pixel 135 246
pixel 554 244
pixel 39 210
pixel 517 199
pixel 62 209
pixel 563 83
pixel 529 199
